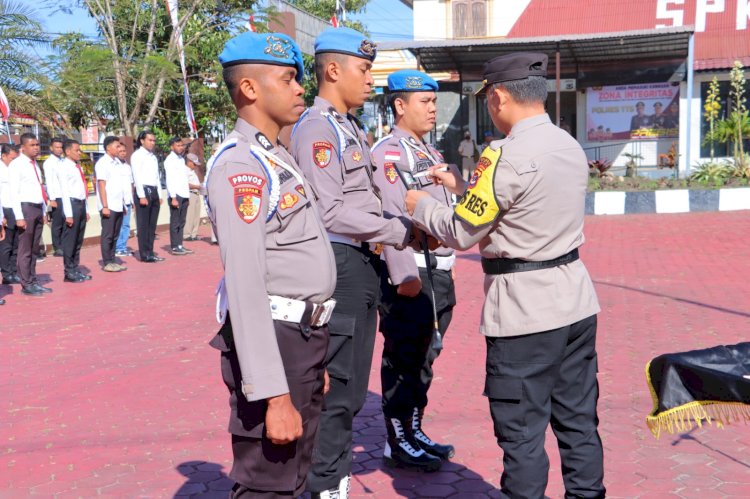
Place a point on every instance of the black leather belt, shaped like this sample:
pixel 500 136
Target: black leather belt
pixel 511 265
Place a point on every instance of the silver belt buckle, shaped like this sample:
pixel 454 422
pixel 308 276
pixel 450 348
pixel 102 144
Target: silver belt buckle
pixel 322 313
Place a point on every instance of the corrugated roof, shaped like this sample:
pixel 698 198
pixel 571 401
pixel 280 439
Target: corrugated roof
pixel 468 55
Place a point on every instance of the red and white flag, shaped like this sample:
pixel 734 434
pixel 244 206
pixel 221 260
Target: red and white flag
pixel 334 21
pixel 4 106
pixel 250 25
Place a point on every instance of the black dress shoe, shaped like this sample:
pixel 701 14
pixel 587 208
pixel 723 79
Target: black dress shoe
pixel 58 252
pixel 42 288
pixel 73 278
pixel 31 290
pixel 2 302
pixel 12 279
pixel 157 258
pixel 83 276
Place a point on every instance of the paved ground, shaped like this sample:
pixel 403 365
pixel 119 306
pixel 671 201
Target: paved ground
pixel 109 388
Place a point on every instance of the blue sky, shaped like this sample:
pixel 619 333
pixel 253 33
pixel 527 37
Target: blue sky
pixel 385 19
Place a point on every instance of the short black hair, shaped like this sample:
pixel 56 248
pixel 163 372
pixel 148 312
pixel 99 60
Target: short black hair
pixel 141 136
pixel 231 78
pixel 69 143
pixel 109 139
pixel 57 139
pixel 323 60
pixel 27 137
pixel 174 140
pixel 397 95
pixel 7 148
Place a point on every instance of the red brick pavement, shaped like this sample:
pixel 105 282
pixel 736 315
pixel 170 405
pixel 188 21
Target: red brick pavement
pixel 109 388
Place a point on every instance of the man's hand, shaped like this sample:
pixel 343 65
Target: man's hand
pixel 105 212
pixel 2 231
pixel 410 288
pixel 453 272
pixel 174 203
pixel 69 221
pixel 88 217
pixel 326 381
pixel 143 201
pixel 53 203
pixel 21 224
pixel 412 198
pixel 161 201
pixel 450 179
pixel 283 422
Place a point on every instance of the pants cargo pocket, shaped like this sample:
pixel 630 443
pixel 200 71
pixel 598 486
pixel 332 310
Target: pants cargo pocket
pixel 507 407
pixel 340 357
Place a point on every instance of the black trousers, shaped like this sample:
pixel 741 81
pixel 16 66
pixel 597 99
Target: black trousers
pixel 406 324
pixel 110 232
pixel 541 379
pixel 9 245
pixel 262 468
pixel 146 221
pixel 72 237
pixel 57 222
pixel 28 242
pixel 177 217
pixel 352 328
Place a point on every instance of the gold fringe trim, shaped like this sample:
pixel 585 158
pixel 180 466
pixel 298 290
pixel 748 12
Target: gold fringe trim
pixel 683 417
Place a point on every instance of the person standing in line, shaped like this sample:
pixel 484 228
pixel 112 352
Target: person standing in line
pixel 29 200
pixel 148 191
pixel 193 219
pixel 73 202
pixel 50 167
pixel 279 273
pixel 121 247
pixel 3 223
pixel 112 196
pixel 9 245
pixel 467 149
pixel 407 290
pixel 330 146
pixel 178 195
pixel 524 206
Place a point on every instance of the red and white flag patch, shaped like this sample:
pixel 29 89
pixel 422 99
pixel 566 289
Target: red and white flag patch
pixel 392 156
pixel 322 152
pixel 248 194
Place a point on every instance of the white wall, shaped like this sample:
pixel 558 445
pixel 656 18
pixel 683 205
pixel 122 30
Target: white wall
pixel 430 19
pixel 503 14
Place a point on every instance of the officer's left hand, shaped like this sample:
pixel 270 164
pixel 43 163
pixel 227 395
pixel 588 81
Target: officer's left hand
pixel 412 198
pixel 410 288
pixel 326 381
pixel 88 217
pixel 2 231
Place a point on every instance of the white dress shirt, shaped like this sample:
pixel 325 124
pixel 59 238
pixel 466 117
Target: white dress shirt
pixel 127 177
pixel 5 185
pixel 51 166
pixel 71 185
pixel 177 179
pixel 109 169
pixel 26 184
pixel 145 171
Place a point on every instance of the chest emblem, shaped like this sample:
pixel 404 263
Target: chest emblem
pixel 288 200
pixel 300 189
pixel 357 156
pixel 322 152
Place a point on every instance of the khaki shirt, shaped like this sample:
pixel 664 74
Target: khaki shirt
pixel 289 255
pixel 535 213
pixel 339 167
pixel 389 154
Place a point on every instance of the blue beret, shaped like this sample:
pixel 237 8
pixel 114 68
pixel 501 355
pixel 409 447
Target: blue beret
pixel 345 41
pixel 411 80
pixel 263 48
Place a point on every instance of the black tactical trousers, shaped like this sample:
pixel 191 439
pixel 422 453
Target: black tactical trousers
pixel 28 242
pixel 261 468
pixel 406 324
pixel 110 231
pixel 352 328
pixel 9 245
pixel 540 379
pixel 146 218
pixel 177 221
pixel 72 237
pixel 57 222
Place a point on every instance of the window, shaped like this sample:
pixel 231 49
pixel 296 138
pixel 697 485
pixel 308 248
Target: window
pixel 725 149
pixel 469 18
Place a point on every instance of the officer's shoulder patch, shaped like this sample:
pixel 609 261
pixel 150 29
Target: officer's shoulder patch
pixel 248 194
pixel 391 175
pixel 479 206
pixel 322 152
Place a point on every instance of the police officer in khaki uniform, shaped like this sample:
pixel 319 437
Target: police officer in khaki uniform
pixel 331 148
pixel 279 273
pixel 406 315
pixel 524 206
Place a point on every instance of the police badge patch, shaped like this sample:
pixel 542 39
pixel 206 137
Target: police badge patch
pixel 390 172
pixel 248 194
pixel 322 152
pixel 288 200
pixel 367 48
pixel 414 82
pixel 277 47
pixel 357 156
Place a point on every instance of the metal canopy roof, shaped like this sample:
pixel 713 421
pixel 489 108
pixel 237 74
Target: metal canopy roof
pixel 469 55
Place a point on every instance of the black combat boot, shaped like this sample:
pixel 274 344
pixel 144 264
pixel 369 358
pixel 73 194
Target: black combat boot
pixel 434 448
pixel 403 451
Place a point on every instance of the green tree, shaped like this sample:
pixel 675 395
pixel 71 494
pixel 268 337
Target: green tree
pixel 20 32
pixel 738 120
